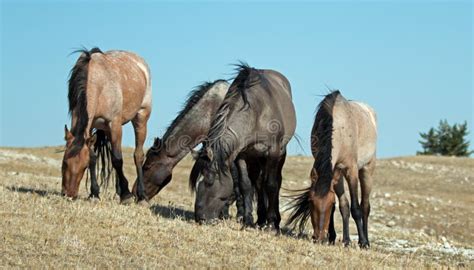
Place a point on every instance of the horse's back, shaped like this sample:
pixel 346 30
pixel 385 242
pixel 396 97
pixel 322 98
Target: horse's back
pixel 277 80
pixel 355 130
pixel 280 100
pixel 122 84
pixel 367 126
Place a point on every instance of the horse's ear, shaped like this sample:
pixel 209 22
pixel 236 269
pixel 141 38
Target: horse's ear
pixel 67 134
pixel 209 153
pixel 157 143
pixel 314 175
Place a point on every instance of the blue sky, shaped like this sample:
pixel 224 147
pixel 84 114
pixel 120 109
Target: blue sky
pixel 411 61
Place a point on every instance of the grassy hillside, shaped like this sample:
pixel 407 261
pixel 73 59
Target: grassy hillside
pixel 421 217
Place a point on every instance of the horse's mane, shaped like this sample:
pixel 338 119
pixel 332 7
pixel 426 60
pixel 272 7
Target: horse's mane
pixel 246 78
pixel 321 144
pixel 193 98
pixel 77 97
pixel 201 162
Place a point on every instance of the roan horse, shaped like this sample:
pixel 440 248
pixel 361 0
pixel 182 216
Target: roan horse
pixel 255 121
pixel 106 90
pixel 343 143
pixel 186 131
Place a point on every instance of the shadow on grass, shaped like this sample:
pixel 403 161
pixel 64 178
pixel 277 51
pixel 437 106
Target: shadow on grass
pixel 172 212
pixel 40 192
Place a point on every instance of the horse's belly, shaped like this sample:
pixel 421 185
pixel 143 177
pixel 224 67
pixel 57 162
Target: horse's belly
pixel 100 123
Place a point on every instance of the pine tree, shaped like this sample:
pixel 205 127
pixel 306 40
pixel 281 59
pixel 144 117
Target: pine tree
pixel 429 143
pixel 446 140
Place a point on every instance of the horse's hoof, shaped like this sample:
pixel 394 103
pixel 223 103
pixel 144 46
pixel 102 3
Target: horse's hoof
pixel 94 196
pixel 143 203
pixel 364 245
pixel 347 243
pixel 127 199
pixel 272 228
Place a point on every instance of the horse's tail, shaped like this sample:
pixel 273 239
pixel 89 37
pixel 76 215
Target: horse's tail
pixel 77 97
pixel 300 210
pixel 103 152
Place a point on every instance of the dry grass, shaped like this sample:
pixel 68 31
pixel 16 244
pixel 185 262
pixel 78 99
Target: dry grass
pixel 421 217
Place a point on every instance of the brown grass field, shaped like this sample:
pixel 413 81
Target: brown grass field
pixel 422 216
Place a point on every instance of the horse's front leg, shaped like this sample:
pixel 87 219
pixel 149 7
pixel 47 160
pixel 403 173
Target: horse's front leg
pixel 247 192
pixel 95 189
pixel 352 176
pixel 117 162
pixel 273 180
pixel 344 208
pixel 239 202
pixel 140 128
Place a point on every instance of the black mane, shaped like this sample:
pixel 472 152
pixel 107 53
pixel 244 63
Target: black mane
pixel 321 145
pixel 77 97
pixel 193 98
pixel 246 78
pixel 321 141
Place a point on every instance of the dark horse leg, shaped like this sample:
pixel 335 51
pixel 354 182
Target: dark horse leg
pixel 247 192
pixel 345 211
pixel 365 175
pixel 239 202
pixel 117 162
pixel 139 126
pixel 235 197
pixel 256 176
pixel 332 231
pixel 273 179
pixel 95 189
pixel 352 175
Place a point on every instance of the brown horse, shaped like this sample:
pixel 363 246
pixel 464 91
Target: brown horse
pixel 106 91
pixel 186 131
pixel 343 143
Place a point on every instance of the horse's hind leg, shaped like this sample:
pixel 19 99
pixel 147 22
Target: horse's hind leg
pixel 140 128
pixel 365 175
pixel 95 189
pixel 345 211
pixel 352 175
pixel 117 161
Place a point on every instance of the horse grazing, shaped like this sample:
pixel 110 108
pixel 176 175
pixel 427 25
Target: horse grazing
pixel 343 143
pixel 106 90
pixel 186 131
pixel 255 121
pixel 254 172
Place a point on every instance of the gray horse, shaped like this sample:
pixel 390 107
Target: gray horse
pixel 255 121
pixel 186 131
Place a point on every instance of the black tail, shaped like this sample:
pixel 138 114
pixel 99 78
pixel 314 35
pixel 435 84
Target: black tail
pixel 77 97
pixel 300 210
pixel 103 151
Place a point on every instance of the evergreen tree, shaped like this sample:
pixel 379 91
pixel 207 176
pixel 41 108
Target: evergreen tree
pixel 429 143
pixel 446 140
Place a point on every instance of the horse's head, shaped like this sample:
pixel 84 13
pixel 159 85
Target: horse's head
pixel 213 189
pixel 75 162
pixel 321 207
pixel 157 170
